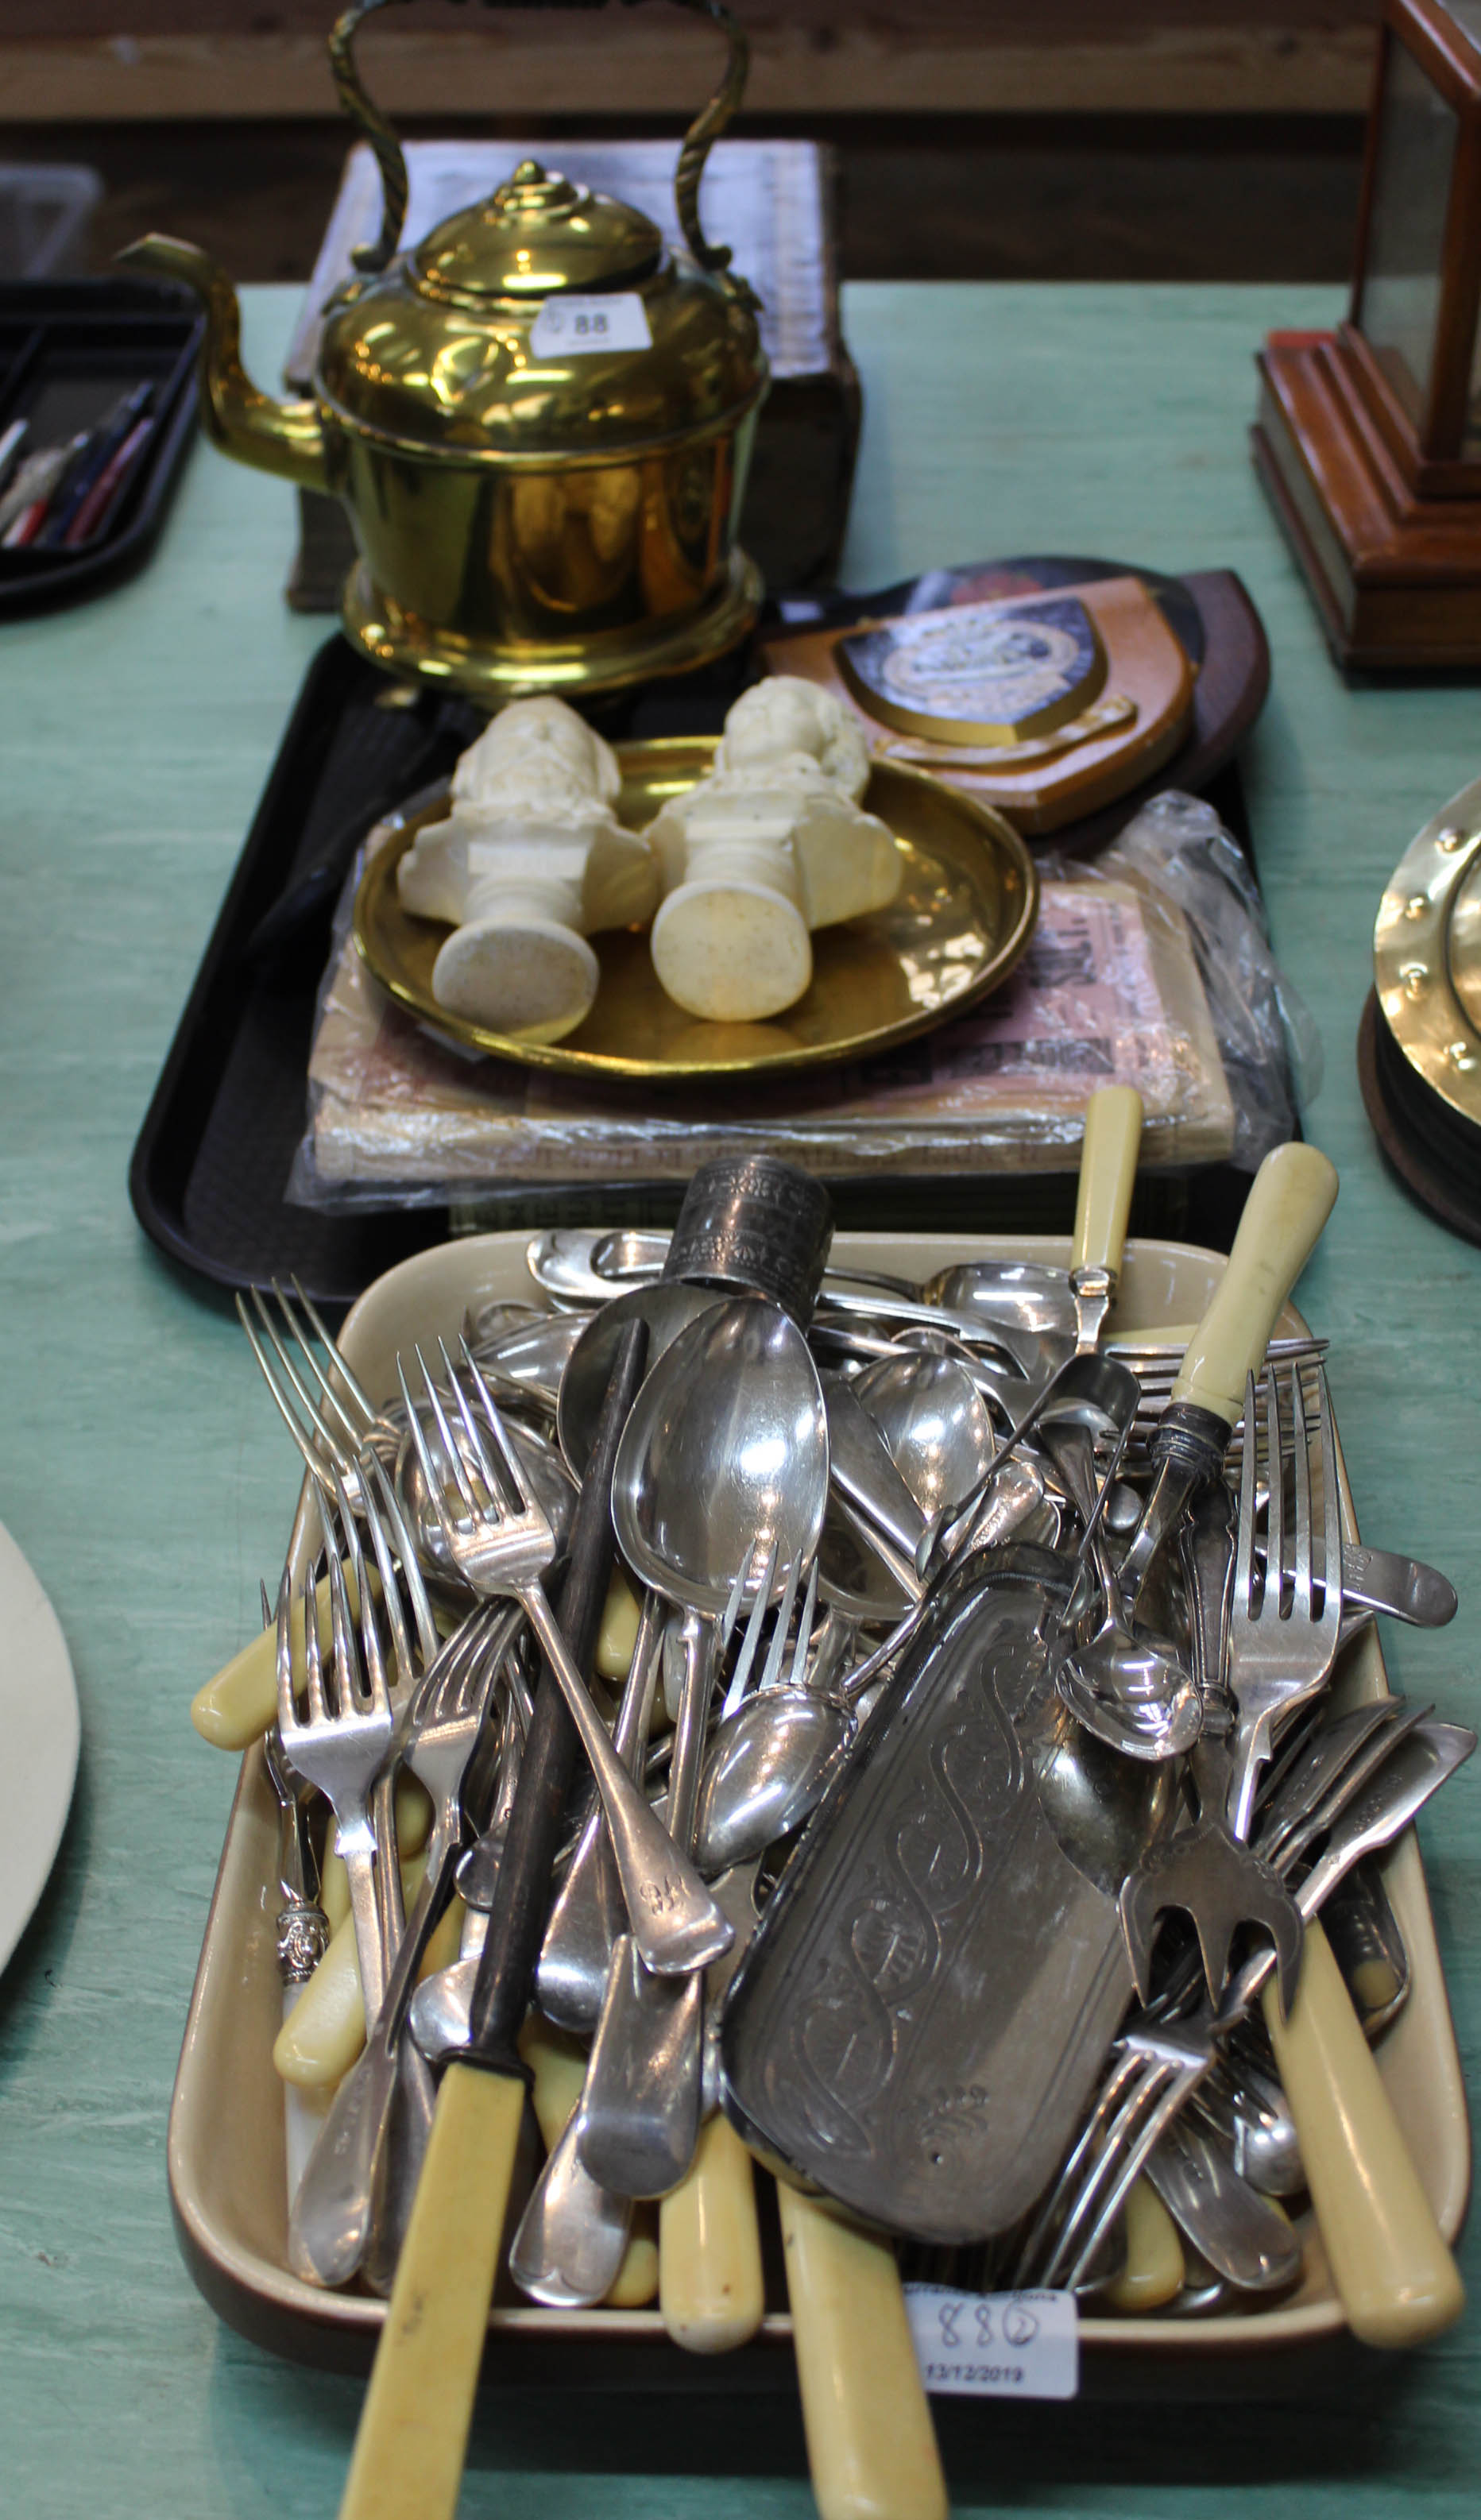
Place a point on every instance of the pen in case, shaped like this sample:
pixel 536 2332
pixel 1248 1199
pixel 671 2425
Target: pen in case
pixel 23 508
pixel 93 515
pixel 10 443
pixel 103 443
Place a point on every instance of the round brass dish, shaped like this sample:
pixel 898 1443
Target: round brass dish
pixel 964 914
pixel 1428 955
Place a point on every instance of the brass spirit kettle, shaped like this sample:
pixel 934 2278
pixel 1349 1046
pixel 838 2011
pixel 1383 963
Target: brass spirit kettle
pixel 539 422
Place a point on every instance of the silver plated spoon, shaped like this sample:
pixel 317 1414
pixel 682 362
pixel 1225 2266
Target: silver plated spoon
pixel 935 1423
pixel 667 1308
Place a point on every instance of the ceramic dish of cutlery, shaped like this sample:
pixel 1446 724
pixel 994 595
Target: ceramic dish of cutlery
pixel 992 1645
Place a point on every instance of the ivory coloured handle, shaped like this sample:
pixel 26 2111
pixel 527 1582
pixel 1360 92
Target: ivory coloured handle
pixel 870 2443
pixel 710 2287
pixel 1397 2280
pixel 304 2114
pixel 409 2450
pixel 1154 2266
pixel 558 2069
pixel 325 2033
pixel 1107 1174
pixel 636 2284
pixel 618 1633
pixel 1291 1200
pixel 236 1708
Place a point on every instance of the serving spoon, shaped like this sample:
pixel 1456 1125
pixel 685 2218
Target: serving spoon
pixel 721 1482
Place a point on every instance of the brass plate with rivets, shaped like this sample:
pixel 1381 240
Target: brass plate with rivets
pixel 1428 954
pixel 967 908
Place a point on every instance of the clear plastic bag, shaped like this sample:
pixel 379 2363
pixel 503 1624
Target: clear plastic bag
pixel 1150 965
pixel 1268 1039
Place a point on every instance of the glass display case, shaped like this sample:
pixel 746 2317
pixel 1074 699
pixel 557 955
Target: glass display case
pixel 1370 439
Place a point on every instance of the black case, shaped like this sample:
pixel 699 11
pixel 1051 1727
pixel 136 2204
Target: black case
pixel 70 347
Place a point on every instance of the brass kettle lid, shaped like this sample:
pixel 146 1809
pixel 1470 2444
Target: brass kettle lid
pixel 538 234
pixel 441 354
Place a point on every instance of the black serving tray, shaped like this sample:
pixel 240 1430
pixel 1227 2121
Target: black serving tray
pixel 214 1156
pixel 67 349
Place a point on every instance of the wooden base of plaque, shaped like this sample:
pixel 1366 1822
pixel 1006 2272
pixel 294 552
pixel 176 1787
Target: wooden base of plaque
pixel 1396 579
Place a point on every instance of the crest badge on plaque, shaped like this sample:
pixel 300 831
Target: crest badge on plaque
pixel 1048 704
pixel 980 673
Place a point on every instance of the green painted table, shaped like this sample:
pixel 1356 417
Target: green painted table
pixel 144 1479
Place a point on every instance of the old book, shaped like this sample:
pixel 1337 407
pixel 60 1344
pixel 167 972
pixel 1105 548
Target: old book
pixel 1110 992
pixel 770 199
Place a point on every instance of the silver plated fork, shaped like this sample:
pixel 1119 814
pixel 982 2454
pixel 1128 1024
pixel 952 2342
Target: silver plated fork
pixel 332 2209
pixel 344 1416
pixel 502 1543
pixel 1156 2067
pixel 343 1739
pixel 1280 1657
pixel 339 1437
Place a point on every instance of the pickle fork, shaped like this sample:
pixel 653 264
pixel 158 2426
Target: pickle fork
pixel 343 1739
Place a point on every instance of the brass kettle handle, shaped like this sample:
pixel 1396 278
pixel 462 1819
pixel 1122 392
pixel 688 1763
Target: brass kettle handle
pixel 699 140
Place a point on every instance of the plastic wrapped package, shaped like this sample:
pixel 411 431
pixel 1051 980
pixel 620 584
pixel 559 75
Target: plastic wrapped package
pixel 1149 967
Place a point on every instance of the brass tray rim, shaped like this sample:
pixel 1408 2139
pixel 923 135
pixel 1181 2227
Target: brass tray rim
pixel 1436 1036
pixel 388 844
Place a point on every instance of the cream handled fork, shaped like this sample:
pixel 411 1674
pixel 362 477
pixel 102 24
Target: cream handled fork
pixel 1289 1202
pixel 342 1747
pixel 332 2211
pixel 414 2424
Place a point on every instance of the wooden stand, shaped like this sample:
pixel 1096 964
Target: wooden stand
pixel 1366 437
pixel 1396 576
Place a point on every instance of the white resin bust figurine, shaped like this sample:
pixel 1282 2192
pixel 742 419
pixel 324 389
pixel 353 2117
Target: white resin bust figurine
pixel 787 722
pixel 771 845
pixel 531 862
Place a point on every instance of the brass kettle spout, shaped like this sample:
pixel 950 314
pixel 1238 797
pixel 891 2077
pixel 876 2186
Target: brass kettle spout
pixel 286 438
